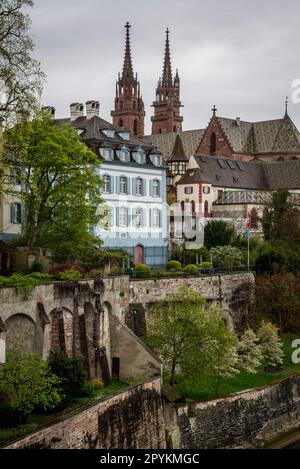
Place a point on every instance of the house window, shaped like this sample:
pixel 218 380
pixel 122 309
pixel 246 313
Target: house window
pixel 156 188
pixel 156 218
pixel 213 143
pixel 124 154
pixel 123 185
pixel 139 186
pixel 188 190
pixel 139 218
pixel 206 190
pixel 106 180
pixel 123 216
pixel 15 176
pixel 15 213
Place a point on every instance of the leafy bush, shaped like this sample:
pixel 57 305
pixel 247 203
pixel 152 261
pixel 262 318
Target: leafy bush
pixel 142 270
pixel 226 256
pixel 59 268
pixel 97 384
pixel 174 266
pixel 95 273
pixel 72 372
pixel 24 283
pixel 37 266
pixel 191 268
pixel 28 383
pixel 69 275
pixel 206 266
pixel 41 277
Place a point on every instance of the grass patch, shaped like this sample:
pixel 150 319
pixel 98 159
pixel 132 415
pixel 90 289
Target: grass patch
pixel 198 389
pixel 35 421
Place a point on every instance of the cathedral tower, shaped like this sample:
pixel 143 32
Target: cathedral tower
pixel 129 107
pixel 167 104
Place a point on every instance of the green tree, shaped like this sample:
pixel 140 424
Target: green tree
pixel 71 371
pixel 271 345
pixel 226 256
pixel 21 78
pixel 219 233
pixel 249 352
pixel 28 383
pixel 191 337
pixel 281 220
pixel 61 185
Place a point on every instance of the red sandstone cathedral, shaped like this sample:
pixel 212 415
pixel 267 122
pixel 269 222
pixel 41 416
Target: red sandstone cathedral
pixel 274 140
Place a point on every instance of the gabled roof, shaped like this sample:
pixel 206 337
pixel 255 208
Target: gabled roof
pixel 272 136
pixel 228 173
pixel 178 153
pixel 165 142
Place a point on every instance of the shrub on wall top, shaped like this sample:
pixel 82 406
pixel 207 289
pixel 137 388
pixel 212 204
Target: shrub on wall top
pixel 174 266
pixel 59 268
pixel 142 270
pixel 191 268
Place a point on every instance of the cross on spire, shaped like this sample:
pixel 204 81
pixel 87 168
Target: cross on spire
pixel 127 66
pixel 214 110
pixel 167 70
pixel 286 105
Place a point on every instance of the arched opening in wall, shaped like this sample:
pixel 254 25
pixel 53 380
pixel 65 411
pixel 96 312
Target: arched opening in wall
pixel 193 207
pixel 159 131
pixel 121 123
pixel 22 335
pixel 139 254
pixel 115 374
pixel 174 128
pixel 135 127
pixel 213 143
pixel 61 331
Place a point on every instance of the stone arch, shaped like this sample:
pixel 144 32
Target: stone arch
pixel 22 334
pixel 61 331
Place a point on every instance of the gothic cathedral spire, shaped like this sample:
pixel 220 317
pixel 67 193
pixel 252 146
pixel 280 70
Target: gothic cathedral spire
pixel 167 104
pixel 129 110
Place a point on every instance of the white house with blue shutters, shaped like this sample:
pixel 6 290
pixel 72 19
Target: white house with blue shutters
pixel 134 188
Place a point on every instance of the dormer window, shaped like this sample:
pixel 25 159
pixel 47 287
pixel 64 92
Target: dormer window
pixel 156 160
pixel 107 154
pixel 124 154
pixel 110 133
pixel 124 135
pixel 140 156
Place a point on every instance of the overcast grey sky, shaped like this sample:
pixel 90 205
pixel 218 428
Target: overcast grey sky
pixel 241 55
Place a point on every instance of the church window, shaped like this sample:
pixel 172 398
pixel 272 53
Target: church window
pixel 174 128
pixel 213 143
pixel 121 105
pixel 121 123
pixel 135 127
pixel 134 105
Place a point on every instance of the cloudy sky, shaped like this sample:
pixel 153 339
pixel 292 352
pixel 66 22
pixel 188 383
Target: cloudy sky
pixel 238 54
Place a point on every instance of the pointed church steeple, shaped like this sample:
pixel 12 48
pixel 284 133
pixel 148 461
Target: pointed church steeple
pixel 167 78
pixel 167 105
pixel 127 73
pixel 129 112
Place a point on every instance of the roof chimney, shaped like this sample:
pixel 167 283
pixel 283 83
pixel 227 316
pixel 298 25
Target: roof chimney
pixel 76 110
pixel 238 121
pixel 50 110
pixel 92 109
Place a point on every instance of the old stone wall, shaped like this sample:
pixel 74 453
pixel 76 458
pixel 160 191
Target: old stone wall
pixel 131 419
pixel 236 293
pixel 244 420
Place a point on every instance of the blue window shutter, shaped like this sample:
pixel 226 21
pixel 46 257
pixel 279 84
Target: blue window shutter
pixel 117 185
pixel 150 217
pixel 133 186
pixel 112 189
pixel 159 184
pixel 117 216
pixel 151 187
pixel 160 218
pixel 128 185
pixel 144 187
pixel 129 217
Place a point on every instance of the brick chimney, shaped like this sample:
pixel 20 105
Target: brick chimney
pixel 76 110
pixel 92 109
